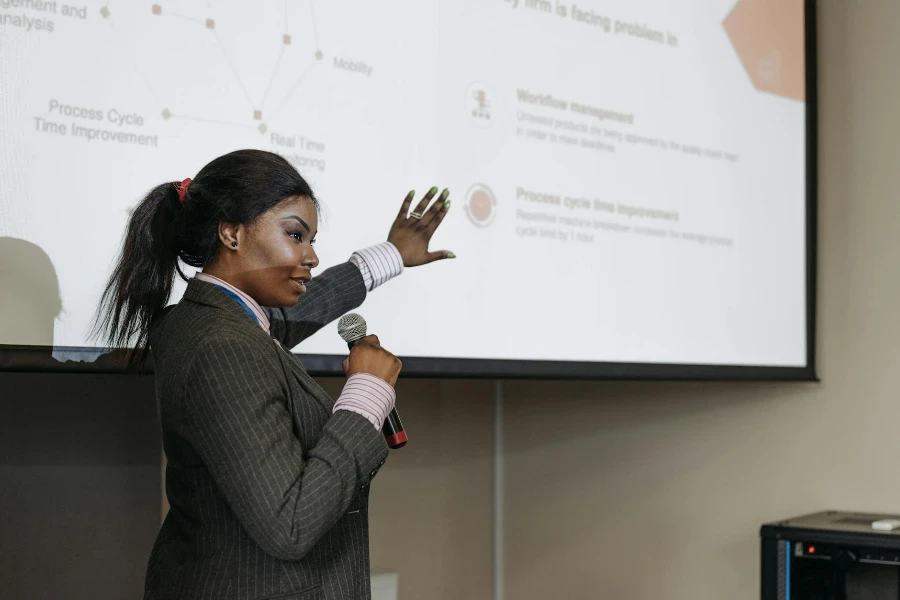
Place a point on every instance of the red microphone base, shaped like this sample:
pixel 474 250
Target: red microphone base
pixel 397 440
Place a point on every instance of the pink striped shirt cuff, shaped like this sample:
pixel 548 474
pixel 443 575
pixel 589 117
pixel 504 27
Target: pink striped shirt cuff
pixel 369 396
pixel 378 264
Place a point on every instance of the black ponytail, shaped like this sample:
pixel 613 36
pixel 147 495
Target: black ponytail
pixel 235 188
pixel 141 282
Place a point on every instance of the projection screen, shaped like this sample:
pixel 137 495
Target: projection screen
pixel 632 182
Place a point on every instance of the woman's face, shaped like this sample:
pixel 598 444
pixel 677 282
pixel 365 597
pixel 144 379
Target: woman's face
pixel 276 253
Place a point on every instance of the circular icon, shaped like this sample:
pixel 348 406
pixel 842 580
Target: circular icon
pixel 479 101
pixel 481 205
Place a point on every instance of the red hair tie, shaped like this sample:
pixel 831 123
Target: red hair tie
pixel 183 188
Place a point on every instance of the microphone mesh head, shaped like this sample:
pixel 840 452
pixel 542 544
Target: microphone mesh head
pixel 352 327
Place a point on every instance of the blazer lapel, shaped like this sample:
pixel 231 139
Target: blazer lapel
pixel 211 295
pixel 295 367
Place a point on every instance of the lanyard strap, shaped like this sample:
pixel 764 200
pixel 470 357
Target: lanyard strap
pixel 241 303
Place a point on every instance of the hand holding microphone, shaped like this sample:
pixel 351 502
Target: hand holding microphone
pixel 367 356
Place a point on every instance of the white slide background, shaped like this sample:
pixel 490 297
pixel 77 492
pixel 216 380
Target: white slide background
pixel 434 96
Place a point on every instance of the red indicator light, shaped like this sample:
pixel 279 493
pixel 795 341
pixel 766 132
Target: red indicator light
pixel 811 550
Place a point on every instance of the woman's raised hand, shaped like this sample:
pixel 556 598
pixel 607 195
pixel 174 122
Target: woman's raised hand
pixel 411 232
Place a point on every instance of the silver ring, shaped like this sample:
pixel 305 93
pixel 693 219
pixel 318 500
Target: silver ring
pixel 415 215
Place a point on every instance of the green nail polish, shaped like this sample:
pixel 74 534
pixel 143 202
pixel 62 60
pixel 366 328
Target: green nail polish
pixel 447 204
pixel 451 255
pixel 446 192
pixel 433 190
pixel 411 193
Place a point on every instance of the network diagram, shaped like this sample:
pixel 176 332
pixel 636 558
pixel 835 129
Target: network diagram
pixel 260 105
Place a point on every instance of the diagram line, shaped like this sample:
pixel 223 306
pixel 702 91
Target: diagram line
pixel 272 78
pixel 312 13
pixel 214 121
pixel 133 62
pixel 180 16
pixel 234 70
pixel 289 94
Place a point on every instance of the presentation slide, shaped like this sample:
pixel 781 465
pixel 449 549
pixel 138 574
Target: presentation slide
pixel 628 177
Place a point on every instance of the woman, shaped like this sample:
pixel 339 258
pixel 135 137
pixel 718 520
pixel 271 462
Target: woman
pixel 267 477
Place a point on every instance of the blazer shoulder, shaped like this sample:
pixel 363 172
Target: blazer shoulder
pixel 189 330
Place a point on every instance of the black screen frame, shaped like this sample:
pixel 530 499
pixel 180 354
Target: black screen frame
pixel 40 359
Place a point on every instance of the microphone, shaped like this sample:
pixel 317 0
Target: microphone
pixel 352 328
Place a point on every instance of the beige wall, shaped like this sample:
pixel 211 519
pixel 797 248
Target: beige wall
pixel 658 490
pixel 79 480
pixel 431 505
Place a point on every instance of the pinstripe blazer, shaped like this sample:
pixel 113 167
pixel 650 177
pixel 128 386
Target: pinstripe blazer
pixel 268 490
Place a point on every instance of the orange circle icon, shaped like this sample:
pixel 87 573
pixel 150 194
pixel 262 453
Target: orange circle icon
pixel 481 205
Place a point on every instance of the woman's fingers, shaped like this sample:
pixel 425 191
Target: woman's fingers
pixel 439 255
pixel 423 203
pixel 437 210
pixel 425 219
pixel 404 208
pixel 437 217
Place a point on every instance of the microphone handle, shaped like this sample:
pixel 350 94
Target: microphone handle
pixel 392 429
